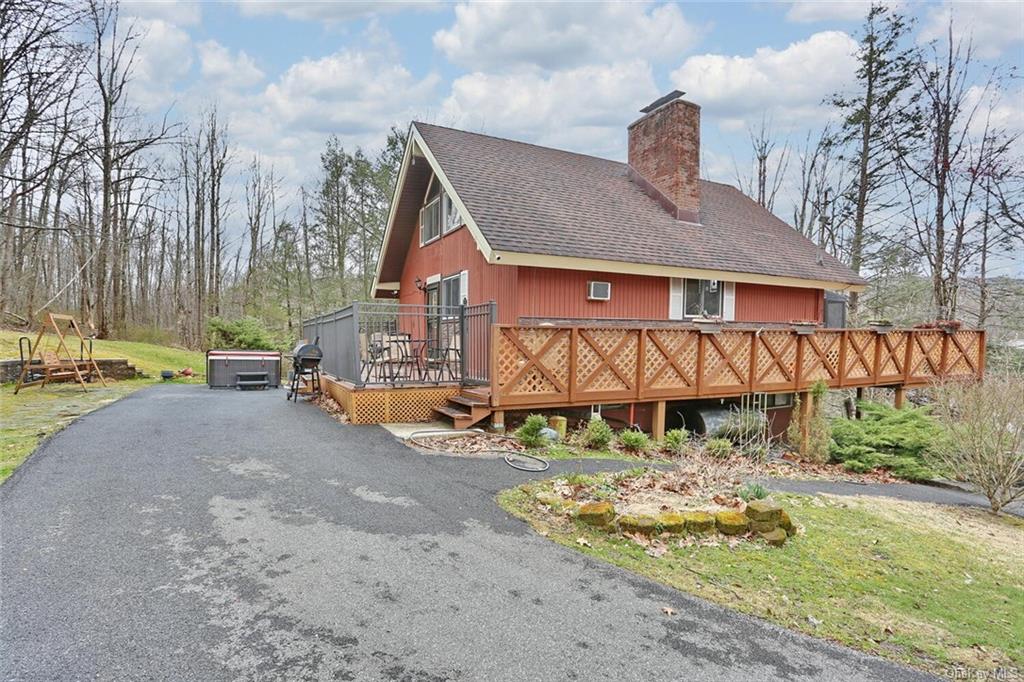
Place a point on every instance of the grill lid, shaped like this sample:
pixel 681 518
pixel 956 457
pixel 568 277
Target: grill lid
pixel 307 351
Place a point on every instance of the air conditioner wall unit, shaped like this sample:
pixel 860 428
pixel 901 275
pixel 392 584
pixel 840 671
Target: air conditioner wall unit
pixel 599 291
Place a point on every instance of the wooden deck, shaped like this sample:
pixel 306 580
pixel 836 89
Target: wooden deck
pixel 538 366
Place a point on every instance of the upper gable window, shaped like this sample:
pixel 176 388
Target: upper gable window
pixel 430 221
pixel 450 212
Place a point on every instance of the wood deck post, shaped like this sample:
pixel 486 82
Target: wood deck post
pixel 805 419
pixel 658 427
pixel 897 400
pixel 860 396
pixel 498 421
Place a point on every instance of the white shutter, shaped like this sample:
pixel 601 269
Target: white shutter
pixel 464 287
pixel 729 302
pixel 675 298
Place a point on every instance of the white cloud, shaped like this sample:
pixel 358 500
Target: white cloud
pixel 807 11
pixel 991 26
pixel 217 66
pixel 584 109
pixel 497 35
pixel 787 84
pixel 348 92
pixel 180 12
pixel 330 12
pixel 163 59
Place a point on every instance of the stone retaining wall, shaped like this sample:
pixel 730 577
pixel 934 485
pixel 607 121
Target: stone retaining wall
pixel 112 368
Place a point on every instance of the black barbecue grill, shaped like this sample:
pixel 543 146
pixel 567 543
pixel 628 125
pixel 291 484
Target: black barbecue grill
pixel 306 359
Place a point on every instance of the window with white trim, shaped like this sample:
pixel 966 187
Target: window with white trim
pixel 694 297
pixel 430 221
pixel 452 217
pixel 702 297
pixel 454 291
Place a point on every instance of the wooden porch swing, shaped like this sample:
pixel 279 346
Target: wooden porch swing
pixel 51 367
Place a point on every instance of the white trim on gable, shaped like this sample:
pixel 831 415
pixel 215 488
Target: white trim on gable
pixel 416 141
pixel 467 217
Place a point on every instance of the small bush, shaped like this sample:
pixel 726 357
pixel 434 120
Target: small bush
pixel 676 440
pixel 752 491
pixel 720 448
pixel 819 432
pixel 887 438
pixel 529 433
pixel 634 441
pixel 245 333
pixel 986 425
pixel 598 435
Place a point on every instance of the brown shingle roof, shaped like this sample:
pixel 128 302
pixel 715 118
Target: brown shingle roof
pixel 531 199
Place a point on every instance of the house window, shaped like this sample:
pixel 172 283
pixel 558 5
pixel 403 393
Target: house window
pixel 778 400
pixel 430 221
pixel 452 217
pixel 454 292
pixel 702 297
pixel 599 291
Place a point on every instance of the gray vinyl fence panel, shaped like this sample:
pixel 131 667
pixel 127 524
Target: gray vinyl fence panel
pixel 348 337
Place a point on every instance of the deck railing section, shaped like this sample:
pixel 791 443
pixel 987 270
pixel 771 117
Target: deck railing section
pixel 399 344
pixel 537 365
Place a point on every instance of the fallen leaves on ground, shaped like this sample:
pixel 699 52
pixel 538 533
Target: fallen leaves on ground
pixel 331 407
pixel 469 444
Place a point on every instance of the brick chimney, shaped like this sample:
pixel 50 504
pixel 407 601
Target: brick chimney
pixel 664 155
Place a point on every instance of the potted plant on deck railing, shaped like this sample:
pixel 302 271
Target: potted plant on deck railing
pixel 882 326
pixel 707 324
pixel 947 326
pixel 804 327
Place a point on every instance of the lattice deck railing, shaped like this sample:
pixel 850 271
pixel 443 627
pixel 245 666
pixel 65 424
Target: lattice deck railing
pixel 586 365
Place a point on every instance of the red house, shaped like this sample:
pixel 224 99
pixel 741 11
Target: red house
pixel 517 277
pixel 554 235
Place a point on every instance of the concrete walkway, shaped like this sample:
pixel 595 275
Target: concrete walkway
pixel 184 533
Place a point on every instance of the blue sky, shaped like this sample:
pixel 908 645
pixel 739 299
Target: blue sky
pixel 569 75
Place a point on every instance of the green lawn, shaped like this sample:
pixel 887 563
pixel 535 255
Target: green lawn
pixel 147 357
pixel 37 412
pixel 926 585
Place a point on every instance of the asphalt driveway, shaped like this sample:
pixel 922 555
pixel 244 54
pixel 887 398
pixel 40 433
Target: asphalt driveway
pixel 184 533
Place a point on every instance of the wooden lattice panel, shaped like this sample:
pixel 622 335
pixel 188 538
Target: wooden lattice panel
pixel 962 354
pixel 821 358
pixel 776 359
pixel 726 360
pixel 533 364
pixel 670 362
pixel 388 405
pixel 606 362
pixel 926 353
pixel 860 356
pixel 892 355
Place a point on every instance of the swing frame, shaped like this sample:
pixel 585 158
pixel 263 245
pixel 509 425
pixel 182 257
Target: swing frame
pixel 50 321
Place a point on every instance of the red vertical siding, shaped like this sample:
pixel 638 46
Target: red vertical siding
pixel 522 291
pixel 764 303
pixel 546 292
pixel 452 253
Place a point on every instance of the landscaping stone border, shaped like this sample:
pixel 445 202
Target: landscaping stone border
pixel 765 519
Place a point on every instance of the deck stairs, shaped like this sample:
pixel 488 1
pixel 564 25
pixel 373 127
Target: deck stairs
pixel 469 407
